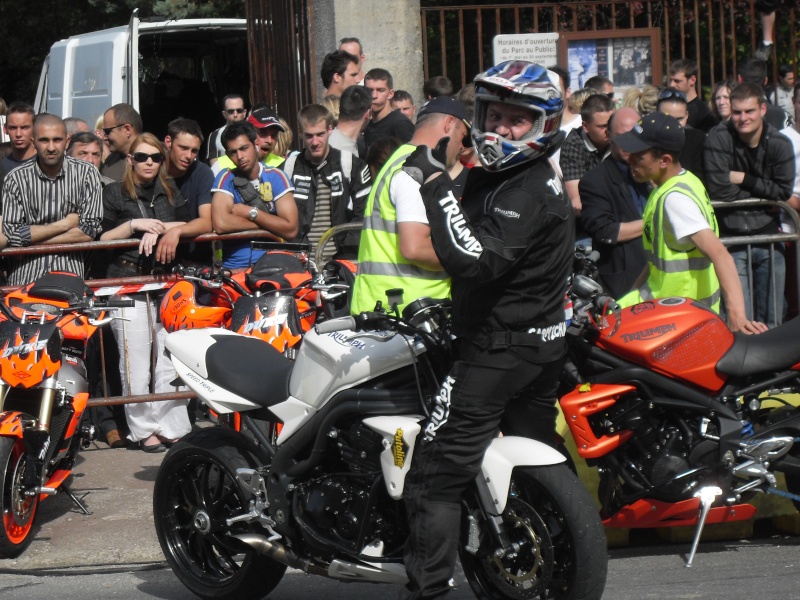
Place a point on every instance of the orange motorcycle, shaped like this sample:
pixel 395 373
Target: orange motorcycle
pixel 44 327
pixel 684 420
pixel 277 300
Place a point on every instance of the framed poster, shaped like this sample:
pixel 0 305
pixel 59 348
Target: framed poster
pixel 629 57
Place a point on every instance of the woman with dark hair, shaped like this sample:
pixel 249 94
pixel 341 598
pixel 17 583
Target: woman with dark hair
pixel 720 102
pixel 144 205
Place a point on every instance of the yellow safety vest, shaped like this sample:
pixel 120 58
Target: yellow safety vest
pixel 272 160
pixel 381 266
pixel 674 272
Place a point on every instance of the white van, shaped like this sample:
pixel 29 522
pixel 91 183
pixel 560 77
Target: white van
pixel 164 69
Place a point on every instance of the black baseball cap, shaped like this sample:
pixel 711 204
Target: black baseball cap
pixel 264 117
pixel 445 105
pixel 655 130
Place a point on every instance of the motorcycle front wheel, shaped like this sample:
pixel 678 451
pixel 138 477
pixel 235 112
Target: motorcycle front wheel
pixel 560 547
pixel 17 508
pixel 195 492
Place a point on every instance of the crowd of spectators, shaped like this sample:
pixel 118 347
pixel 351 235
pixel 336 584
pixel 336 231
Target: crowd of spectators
pixel 62 181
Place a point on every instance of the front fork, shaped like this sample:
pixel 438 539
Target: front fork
pixel 35 434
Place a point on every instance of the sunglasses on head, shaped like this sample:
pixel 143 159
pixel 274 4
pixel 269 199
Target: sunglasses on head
pixel 141 157
pixel 230 111
pixel 669 94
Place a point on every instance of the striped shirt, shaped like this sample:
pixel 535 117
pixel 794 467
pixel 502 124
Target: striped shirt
pixel 322 218
pixel 32 198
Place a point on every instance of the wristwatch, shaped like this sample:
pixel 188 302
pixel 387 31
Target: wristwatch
pixel 253 214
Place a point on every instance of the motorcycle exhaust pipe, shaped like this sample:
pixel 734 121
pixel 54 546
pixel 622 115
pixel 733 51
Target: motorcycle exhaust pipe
pixel 279 553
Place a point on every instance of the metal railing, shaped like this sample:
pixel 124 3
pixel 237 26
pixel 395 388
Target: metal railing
pixel 771 240
pixel 160 281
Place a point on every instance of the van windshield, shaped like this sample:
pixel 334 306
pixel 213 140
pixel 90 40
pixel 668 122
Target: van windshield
pixel 187 73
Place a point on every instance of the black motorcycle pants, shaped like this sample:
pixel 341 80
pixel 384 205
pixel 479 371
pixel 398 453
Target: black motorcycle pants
pixel 486 390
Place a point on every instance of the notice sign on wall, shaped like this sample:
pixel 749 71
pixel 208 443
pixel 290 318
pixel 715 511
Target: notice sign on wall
pixel 540 48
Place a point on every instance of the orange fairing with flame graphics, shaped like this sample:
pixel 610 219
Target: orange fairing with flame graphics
pixel 270 318
pixel 29 352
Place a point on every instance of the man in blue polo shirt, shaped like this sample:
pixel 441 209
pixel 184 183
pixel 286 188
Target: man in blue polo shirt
pixel 250 197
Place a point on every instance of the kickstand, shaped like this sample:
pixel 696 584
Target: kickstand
pixel 707 496
pixel 78 501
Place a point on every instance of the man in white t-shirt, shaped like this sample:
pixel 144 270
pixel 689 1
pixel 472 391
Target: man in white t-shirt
pixel 685 255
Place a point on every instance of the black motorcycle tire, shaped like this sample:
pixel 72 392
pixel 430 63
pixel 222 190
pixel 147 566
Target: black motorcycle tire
pixel 18 511
pixel 563 552
pixel 198 479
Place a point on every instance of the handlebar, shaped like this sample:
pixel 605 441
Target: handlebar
pixel 340 324
pixel 119 304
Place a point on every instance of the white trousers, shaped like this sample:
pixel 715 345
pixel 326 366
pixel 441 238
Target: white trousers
pixel 168 419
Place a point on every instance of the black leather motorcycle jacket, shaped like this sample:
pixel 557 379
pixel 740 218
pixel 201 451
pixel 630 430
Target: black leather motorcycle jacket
pixel 508 246
pixel 350 181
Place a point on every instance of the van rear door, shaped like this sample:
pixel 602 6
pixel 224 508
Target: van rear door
pixel 131 75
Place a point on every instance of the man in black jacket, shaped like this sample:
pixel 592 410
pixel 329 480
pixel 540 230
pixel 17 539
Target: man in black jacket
pixel 612 212
pixel 331 186
pixel 748 158
pixel 508 247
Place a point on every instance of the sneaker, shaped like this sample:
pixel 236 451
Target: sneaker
pixel 764 52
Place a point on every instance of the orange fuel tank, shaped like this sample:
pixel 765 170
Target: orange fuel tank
pixel 674 336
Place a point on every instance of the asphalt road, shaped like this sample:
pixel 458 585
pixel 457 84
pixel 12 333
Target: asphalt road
pixel 113 553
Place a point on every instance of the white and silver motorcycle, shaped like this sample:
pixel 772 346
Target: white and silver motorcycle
pixel 233 509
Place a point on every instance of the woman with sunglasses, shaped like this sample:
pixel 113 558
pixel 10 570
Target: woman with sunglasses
pixel 720 102
pixel 144 205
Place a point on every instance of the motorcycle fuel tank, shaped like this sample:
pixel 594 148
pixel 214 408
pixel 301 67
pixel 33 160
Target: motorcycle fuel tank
pixel 331 362
pixel 674 336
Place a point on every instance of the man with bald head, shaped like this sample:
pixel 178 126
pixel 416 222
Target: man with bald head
pixel 613 204
pixel 54 199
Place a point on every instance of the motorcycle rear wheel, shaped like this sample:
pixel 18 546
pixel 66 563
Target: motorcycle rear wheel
pixel 561 539
pixel 18 510
pixel 195 492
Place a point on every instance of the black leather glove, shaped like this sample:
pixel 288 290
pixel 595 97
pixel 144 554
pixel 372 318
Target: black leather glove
pixel 249 194
pixel 423 164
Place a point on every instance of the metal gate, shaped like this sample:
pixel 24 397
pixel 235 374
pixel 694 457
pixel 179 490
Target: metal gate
pixel 281 54
pixel 457 40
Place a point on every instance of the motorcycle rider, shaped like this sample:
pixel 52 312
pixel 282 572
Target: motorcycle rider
pixel 685 255
pixel 508 248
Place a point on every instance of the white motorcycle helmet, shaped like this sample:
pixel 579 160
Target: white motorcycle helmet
pixel 524 84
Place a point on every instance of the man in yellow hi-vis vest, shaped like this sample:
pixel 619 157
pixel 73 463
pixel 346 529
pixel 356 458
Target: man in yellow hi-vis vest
pixel 684 254
pixel 396 251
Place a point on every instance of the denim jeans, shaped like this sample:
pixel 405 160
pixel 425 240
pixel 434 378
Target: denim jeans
pixel 767 303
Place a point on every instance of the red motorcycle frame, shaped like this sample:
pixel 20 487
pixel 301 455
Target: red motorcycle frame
pixel 669 405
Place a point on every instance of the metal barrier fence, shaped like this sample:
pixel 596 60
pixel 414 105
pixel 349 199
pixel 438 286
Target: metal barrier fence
pixel 789 215
pixel 128 285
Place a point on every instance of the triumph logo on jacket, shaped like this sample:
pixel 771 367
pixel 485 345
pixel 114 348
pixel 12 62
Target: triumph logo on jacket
pixel 649 334
pixel 511 214
pixel 457 226
pixel 441 411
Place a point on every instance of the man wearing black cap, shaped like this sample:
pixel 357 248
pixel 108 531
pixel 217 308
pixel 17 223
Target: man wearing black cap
pixel 685 256
pixel 396 249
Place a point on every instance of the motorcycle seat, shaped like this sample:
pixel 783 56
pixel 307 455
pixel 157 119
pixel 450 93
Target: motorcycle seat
pixel 61 287
pixel 773 350
pixel 249 368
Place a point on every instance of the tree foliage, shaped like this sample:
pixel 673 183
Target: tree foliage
pixel 29 29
